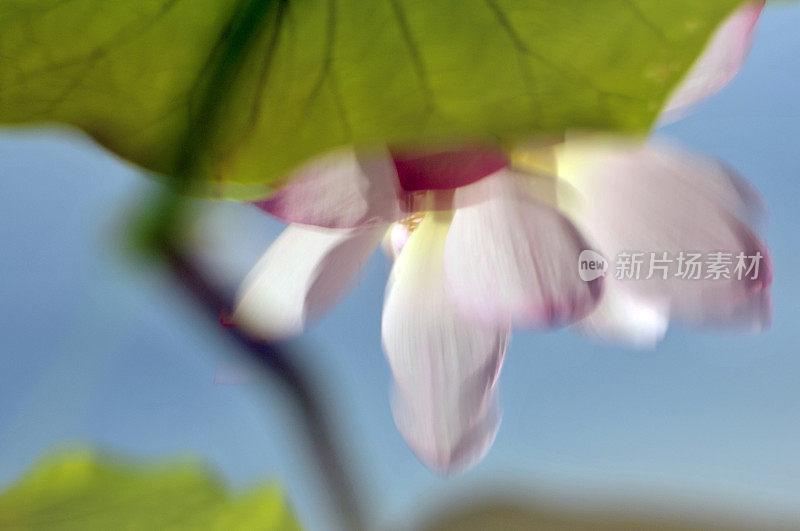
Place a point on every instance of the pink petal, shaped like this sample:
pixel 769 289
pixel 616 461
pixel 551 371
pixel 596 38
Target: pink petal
pixel 656 199
pixel 511 259
pixel 445 368
pixel 339 190
pixel 300 277
pixel 720 61
pixel 753 317
pixel 443 170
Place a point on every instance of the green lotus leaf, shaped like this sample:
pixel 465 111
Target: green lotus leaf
pixel 234 93
pixel 80 491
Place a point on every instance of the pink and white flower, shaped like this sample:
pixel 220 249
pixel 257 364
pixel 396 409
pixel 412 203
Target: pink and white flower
pixel 502 252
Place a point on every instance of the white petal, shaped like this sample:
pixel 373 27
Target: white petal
pixel 511 259
pixel 445 368
pixel 622 319
pixel 395 239
pixel 656 198
pixel 582 161
pixel 720 61
pixel 301 276
pixel 338 190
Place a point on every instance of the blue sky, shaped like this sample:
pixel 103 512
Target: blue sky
pixel 102 350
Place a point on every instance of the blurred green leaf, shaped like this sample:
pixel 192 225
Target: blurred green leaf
pixel 237 92
pixel 82 492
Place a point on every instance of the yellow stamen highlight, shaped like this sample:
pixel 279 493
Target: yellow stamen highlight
pixel 412 221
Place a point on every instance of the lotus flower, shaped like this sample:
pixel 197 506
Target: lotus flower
pixel 484 242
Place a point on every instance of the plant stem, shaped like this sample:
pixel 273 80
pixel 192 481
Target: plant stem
pixel 274 360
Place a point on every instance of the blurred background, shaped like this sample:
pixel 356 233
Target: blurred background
pixel 98 349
